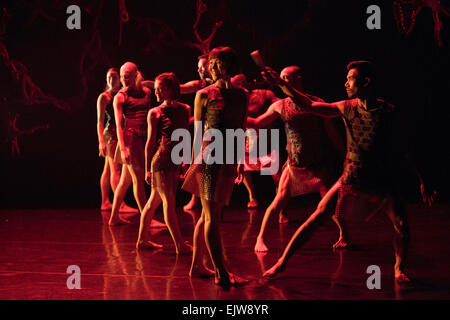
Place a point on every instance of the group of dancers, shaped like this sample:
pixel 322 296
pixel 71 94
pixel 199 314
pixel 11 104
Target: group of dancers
pixel 136 143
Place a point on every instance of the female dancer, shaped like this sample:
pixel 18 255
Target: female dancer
pixel 224 107
pixel 161 173
pixel 132 102
pixel 107 141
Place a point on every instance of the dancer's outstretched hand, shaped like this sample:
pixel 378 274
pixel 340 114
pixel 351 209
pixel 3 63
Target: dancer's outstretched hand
pixel 271 76
pixel 428 196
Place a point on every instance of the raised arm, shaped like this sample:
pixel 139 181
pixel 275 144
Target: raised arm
pixel 322 109
pixel 149 84
pixel 119 99
pixel 102 102
pixel 192 86
pixel 152 122
pixel 272 113
pixel 185 88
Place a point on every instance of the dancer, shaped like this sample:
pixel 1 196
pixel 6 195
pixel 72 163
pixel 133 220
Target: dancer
pixel 107 142
pixel 161 173
pixel 224 107
pixel 312 158
pixel 205 80
pixel 372 152
pixel 132 102
pixel 258 102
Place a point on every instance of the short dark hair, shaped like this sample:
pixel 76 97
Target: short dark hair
pixel 228 56
pixel 171 80
pixel 365 69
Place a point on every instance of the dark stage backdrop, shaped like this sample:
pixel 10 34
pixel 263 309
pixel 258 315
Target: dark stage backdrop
pixel 51 76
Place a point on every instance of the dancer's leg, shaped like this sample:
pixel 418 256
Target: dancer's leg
pixel 119 195
pixel 277 205
pixel 302 234
pixel 198 269
pixel 396 212
pixel 248 182
pixel 104 186
pixel 171 219
pixel 146 217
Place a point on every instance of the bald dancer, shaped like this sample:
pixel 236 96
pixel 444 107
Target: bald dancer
pixel 131 103
pixel 312 157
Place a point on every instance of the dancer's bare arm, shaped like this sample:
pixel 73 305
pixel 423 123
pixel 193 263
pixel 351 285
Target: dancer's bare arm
pixel 272 113
pixel 322 109
pixel 102 101
pixel 152 124
pixel 119 99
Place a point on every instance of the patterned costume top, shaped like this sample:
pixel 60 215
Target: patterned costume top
pixel 308 144
pixel 136 104
pixel 170 118
pixel 369 144
pixel 224 109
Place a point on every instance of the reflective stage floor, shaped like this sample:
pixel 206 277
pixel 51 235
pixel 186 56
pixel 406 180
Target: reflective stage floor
pixel 38 245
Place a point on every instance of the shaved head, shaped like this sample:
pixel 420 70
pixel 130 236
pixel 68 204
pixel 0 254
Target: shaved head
pixel 130 66
pixel 128 74
pixel 293 75
pixel 292 71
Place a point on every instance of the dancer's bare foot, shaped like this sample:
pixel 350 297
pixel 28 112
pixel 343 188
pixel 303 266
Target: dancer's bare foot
pixel 157 224
pixel 401 277
pixel 260 246
pixel 274 270
pixel 252 204
pixel 118 222
pixel 282 218
pixel 107 206
pixel 231 281
pixel 192 204
pixel 127 209
pixel 340 244
pixel 148 245
pixel 201 272
pixel 185 248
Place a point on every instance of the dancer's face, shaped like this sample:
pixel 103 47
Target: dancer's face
pixel 113 80
pixel 291 76
pixel 217 69
pixel 203 68
pixel 163 91
pixel 128 76
pixel 352 84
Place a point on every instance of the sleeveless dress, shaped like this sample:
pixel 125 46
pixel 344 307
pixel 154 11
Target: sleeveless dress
pixel 135 110
pixel 309 149
pixel 165 173
pixel 109 131
pixel 225 109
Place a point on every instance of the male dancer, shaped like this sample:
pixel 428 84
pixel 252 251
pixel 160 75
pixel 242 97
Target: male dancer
pixel 311 154
pixel 369 165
